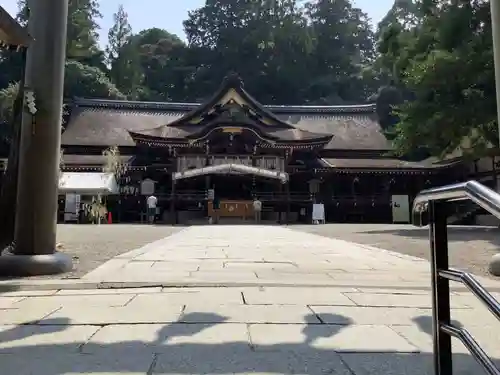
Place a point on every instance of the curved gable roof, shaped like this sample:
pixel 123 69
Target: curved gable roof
pixel 109 122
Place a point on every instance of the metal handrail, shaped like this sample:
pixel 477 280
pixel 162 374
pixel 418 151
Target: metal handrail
pixel 473 190
pixel 433 201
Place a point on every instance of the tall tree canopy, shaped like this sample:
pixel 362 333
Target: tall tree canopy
pixel 343 49
pixel 267 42
pixel 445 60
pixel 287 51
pixel 122 57
pixel 428 66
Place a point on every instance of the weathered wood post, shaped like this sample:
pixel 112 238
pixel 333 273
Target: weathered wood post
pixel 36 215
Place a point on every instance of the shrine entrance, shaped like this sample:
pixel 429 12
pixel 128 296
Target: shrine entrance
pixel 234 187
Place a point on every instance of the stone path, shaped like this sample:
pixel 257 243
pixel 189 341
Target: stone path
pixel 262 255
pixel 286 303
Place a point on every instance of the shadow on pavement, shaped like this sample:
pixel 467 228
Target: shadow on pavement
pixel 175 350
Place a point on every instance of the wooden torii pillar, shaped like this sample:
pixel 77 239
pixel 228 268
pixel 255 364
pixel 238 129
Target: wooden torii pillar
pixel 36 212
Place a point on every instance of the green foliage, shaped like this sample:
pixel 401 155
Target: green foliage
pixel 80 80
pixel 82 34
pixel 86 81
pixel 344 47
pixel 7 98
pixel 444 58
pixel 286 51
pixel 267 42
pixel 122 56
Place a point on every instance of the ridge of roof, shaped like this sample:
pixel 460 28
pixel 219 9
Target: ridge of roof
pixel 178 106
pixel 11 32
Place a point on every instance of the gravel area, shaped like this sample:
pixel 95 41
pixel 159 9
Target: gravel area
pixel 470 248
pixel 92 245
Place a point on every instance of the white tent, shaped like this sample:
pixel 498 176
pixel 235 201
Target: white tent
pixel 88 183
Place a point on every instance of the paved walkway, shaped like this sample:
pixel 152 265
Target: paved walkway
pixel 262 255
pixel 239 300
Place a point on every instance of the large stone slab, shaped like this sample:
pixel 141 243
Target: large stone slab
pixel 370 315
pixel 57 338
pixel 72 300
pixel 161 338
pixel 8 302
pixel 224 276
pixel 192 297
pixel 117 315
pixel 298 296
pixel 134 363
pixel 349 338
pixel 248 314
pixel 487 337
pixel 406 364
pixel 235 359
pixel 320 278
pixel 400 300
pixel 23 316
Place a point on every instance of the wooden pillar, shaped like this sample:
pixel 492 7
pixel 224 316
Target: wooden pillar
pixel 173 212
pixel 287 189
pixel 254 164
pixel 207 163
pixel 40 142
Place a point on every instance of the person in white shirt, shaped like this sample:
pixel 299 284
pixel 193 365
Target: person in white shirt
pixel 151 202
pixel 257 209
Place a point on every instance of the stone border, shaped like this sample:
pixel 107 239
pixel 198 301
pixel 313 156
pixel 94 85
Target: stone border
pixel 64 284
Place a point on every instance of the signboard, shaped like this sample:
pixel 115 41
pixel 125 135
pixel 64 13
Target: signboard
pixel 400 209
pixel 72 207
pixel 211 194
pixel 148 187
pixel 318 213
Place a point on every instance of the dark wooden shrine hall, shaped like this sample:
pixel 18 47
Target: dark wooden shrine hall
pixel 236 148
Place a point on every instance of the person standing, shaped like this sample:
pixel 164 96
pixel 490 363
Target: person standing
pixel 151 203
pixel 257 209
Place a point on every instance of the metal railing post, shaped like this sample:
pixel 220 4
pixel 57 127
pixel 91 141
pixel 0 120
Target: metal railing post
pixel 435 201
pixel 438 236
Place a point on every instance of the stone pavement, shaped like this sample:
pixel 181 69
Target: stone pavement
pixel 249 300
pixel 263 255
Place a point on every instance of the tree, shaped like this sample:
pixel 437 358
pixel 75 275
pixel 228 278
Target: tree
pixel 122 55
pixel 13 105
pixel 7 99
pixel 265 41
pixel 446 63
pixel 118 35
pixel 344 48
pixel 161 59
pixel 82 34
pixel 404 13
pixel 82 31
pixel 89 82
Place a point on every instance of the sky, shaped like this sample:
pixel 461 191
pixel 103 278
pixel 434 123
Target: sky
pixel 169 14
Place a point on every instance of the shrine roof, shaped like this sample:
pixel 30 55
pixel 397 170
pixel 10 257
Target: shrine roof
pixel 386 163
pixel 11 32
pixel 111 122
pixel 190 133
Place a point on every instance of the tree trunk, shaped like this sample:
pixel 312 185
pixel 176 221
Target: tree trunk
pixel 8 191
